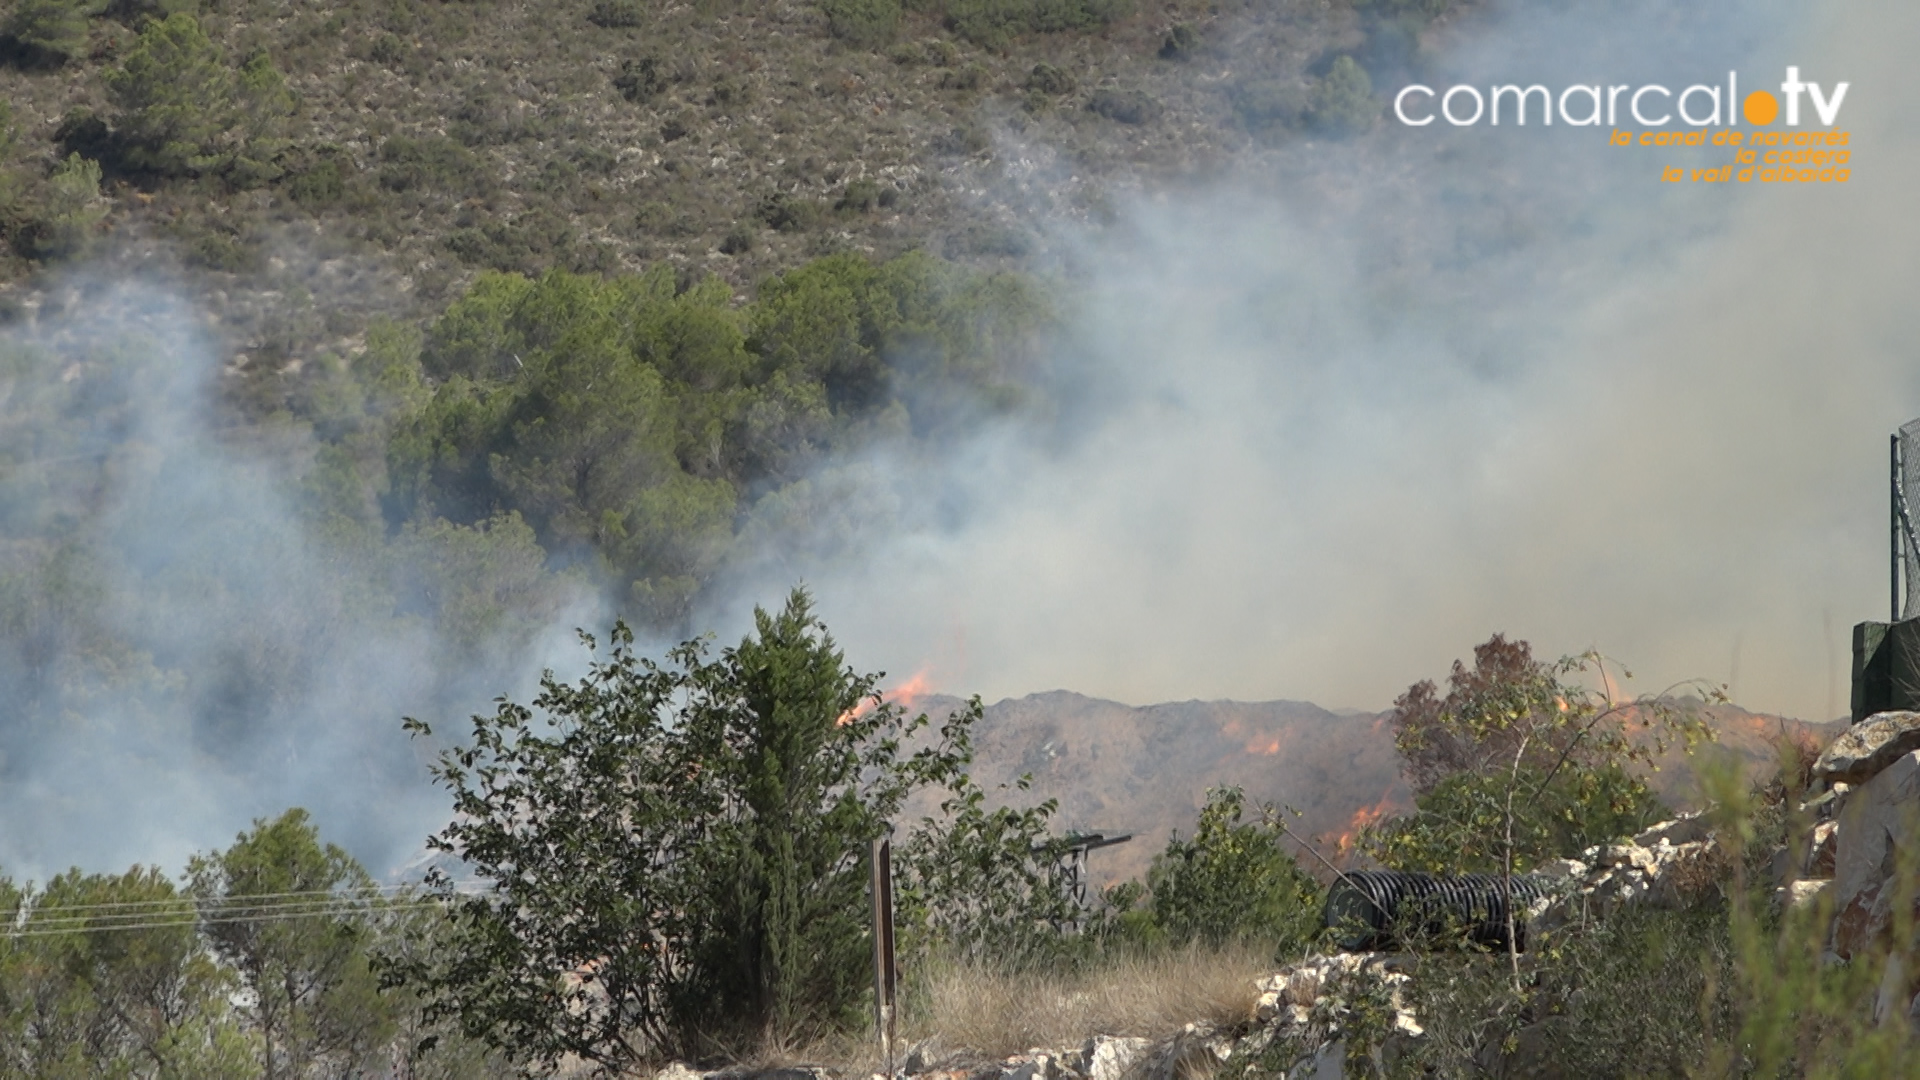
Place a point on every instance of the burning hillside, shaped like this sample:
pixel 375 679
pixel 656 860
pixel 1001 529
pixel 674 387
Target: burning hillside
pixel 1145 770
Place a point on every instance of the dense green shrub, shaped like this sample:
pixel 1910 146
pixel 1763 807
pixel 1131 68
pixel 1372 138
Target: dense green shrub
pixel 1181 43
pixel 1231 880
pixel 1342 101
pixel 617 14
pixel 52 31
pixel 988 885
pixel 692 832
pixel 1047 79
pixel 1641 992
pixel 1125 106
pixel 263 103
pixel 1460 826
pixel 789 213
pixel 70 212
pixel 640 80
pixel 529 243
pixel 175 98
pixel 862 22
pixel 859 196
pixel 738 241
pixel 1516 764
pixel 318 177
pixel 971 77
pixel 433 164
pixel 994 22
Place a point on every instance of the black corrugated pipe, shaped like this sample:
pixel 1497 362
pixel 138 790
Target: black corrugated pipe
pixel 1378 909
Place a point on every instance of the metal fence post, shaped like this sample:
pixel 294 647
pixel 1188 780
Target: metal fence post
pixel 884 975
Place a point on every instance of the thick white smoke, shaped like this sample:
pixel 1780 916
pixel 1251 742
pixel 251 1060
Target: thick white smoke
pixel 1323 434
pixel 1320 427
pixel 182 653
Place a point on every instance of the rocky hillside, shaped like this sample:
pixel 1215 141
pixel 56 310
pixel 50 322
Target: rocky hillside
pixel 1145 770
pixel 404 148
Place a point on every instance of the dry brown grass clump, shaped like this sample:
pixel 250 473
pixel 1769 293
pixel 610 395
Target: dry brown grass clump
pixel 985 1011
pixel 997 1013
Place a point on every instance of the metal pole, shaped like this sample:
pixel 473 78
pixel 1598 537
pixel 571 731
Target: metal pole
pixel 1893 518
pixel 884 974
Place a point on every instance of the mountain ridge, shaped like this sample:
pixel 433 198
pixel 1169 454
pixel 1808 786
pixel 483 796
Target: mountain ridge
pixel 1144 770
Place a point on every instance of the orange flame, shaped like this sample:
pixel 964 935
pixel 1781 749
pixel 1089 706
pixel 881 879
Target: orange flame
pixel 1363 817
pixel 1267 749
pixel 905 695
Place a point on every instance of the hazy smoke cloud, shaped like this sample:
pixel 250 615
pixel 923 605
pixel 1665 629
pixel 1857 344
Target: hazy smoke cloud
pixel 1323 431
pixel 1317 429
pixel 181 654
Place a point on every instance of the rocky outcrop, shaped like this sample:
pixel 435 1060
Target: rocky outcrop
pixel 1671 864
pixel 1880 815
pixel 1866 749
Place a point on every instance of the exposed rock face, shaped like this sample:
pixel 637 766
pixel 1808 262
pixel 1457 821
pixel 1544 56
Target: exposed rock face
pixel 1879 815
pixel 1106 1057
pixel 1289 999
pixel 1822 849
pixel 1863 750
pixel 1669 864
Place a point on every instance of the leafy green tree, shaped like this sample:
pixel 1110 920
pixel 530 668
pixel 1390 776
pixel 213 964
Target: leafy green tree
pixel 1517 764
pixel 1232 880
pixel 262 103
pixel 477 583
pixel 71 211
pixel 863 22
pixel 678 849
pixel 987 885
pixel 175 95
pixel 314 998
pixel 1342 100
pixel 56 29
pixel 994 22
pixel 1460 827
pixel 633 420
pixel 107 977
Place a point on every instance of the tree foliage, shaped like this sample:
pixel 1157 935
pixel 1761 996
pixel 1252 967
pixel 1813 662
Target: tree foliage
pixel 258 967
pixel 1342 101
pixel 986 884
pixel 71 211
pixel 175 95
pixel 677 848
pixel 642 420
pixel 1518 763
pixel 80 999
pixel 54 29
pixel 1232 880
pixel 314 998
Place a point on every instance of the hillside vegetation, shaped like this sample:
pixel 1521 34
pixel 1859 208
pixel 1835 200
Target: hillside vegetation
pixel 611 277
pixel 665 859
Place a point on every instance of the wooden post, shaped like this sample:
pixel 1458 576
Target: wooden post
pixel 884 975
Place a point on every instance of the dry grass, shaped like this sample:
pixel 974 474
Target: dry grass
pixel 998 1013
pixel 983 1012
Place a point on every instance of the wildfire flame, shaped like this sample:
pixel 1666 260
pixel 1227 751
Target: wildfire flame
pixel 905 695
pixel 1267 748
pixel 1363 817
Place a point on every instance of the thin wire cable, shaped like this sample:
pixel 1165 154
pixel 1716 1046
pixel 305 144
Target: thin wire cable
pixel 185 898
pixel 56 917
pixel 36 931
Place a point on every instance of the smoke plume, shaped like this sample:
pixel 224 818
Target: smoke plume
pixel 1324 428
